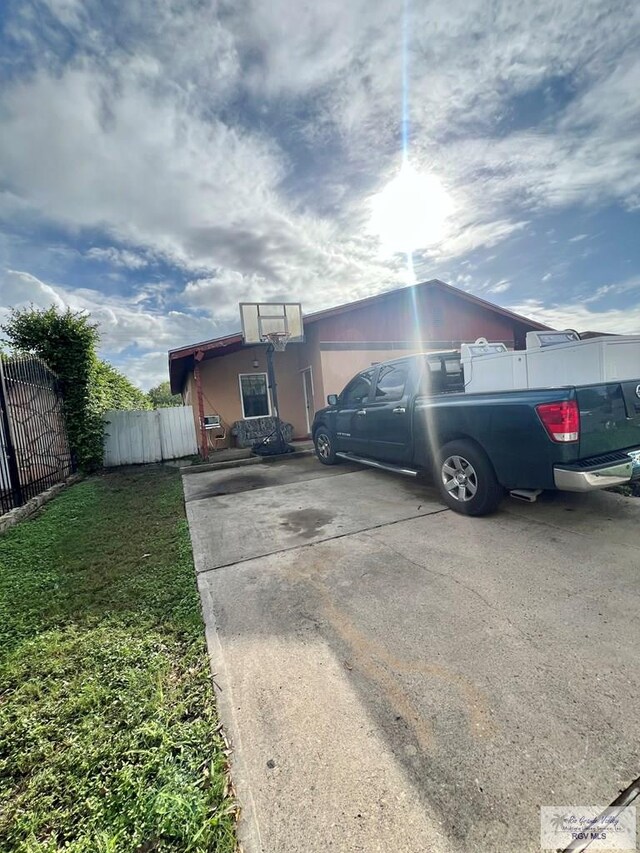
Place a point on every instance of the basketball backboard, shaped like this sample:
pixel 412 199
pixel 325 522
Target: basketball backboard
pixel 260 320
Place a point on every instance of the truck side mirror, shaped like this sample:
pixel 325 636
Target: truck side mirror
pixel 332 399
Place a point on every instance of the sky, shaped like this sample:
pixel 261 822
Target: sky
pixel 161 161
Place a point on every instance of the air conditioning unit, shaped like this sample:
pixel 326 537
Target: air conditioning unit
pixel 212 422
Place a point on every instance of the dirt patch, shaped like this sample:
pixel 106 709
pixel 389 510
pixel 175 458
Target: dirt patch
pixel 306 522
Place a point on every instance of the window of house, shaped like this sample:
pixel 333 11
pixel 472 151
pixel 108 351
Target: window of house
pixel 391 381
pixel 357 390
pixel 254 393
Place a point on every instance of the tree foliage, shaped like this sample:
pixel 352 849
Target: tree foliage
pixel 67 342
pixel 114 391
pixel 161 397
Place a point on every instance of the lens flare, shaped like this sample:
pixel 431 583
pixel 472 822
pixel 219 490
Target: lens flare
pixel 411 212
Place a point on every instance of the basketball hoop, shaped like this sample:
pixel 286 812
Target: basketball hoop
pixel 275 324
pixel 262 320
pixel 278 340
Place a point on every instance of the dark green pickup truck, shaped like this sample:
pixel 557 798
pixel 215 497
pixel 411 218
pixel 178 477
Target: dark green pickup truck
pixel 412 415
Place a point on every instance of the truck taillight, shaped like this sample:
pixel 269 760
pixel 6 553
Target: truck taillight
pixel 561 420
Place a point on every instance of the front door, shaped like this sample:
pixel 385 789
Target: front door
pixel 307 385
pixel 351 413
pixel 388 419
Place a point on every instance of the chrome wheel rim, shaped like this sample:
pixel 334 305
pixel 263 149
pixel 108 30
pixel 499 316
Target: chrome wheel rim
pixel 459 478
pixel 323 446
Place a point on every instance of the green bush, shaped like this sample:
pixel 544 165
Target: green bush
pixel 67 342
pixel 112 390
pixel 161 397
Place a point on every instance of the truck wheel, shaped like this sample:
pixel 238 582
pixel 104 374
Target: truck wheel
pixel 466 479
pixel 325 449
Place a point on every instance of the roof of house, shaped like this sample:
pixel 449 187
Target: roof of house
pixel 180 358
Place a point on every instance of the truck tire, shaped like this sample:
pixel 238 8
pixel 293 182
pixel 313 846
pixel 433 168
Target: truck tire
pixel 325 446
pixel 466 479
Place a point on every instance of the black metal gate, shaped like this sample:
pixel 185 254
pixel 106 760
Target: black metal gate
pixel 34 449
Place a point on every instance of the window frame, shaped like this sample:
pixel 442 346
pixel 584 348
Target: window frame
pixel 381 400
pixel 266 379
pixel 374 372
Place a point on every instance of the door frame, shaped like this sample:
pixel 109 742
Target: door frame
pixel 304 370
pixel 349 416
pixel 392 451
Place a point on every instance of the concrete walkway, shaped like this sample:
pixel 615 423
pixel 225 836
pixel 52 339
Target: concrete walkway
pixel 396 677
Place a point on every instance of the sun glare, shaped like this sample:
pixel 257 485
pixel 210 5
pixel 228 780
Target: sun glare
pixel 410 213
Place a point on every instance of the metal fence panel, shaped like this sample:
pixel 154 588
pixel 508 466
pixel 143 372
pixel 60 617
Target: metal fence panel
pixel 138 436
pixel 5 477
pixel 34 449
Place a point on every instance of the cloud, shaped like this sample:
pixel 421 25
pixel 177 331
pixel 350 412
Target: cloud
pixel 148 369
pixel 219 294
pixel 141 34
pixel 586 157
pixel 628 284
pixel 500 286
pixel 127 331
pixel 469 63
pixel 600 292
pixel 94 154
pixel 578 316
pixel 475 234
pixel 118 257
pixel 146 145
pixel 20 289
pixel 151 173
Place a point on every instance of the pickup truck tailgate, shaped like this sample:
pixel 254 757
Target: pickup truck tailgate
pixel 609 417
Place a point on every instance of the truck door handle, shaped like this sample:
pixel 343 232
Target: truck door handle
pixel 361 412
pixel 399 410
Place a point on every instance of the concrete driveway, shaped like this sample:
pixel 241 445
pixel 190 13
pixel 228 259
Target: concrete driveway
pixel 396 677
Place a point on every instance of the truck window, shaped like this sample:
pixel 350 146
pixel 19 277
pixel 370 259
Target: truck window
pixel 357 390
pixel 443 373
pixel 391 381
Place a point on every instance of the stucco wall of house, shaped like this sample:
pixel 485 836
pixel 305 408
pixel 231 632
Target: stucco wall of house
pixel 309 356
pixel 339 366
pixel 402 325
pixel 221 386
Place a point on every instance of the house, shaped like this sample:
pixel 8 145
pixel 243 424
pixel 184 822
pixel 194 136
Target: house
pixel 226 378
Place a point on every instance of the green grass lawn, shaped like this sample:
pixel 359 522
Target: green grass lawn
pixel 108 731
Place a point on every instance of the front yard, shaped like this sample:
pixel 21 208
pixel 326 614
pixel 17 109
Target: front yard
pixel 108 732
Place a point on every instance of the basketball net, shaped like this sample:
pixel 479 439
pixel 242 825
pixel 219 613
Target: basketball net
pixel 278 340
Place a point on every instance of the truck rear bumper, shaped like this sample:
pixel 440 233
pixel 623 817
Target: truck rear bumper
pixel 574 478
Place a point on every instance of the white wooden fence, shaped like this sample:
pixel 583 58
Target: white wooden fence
pixel 136 436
